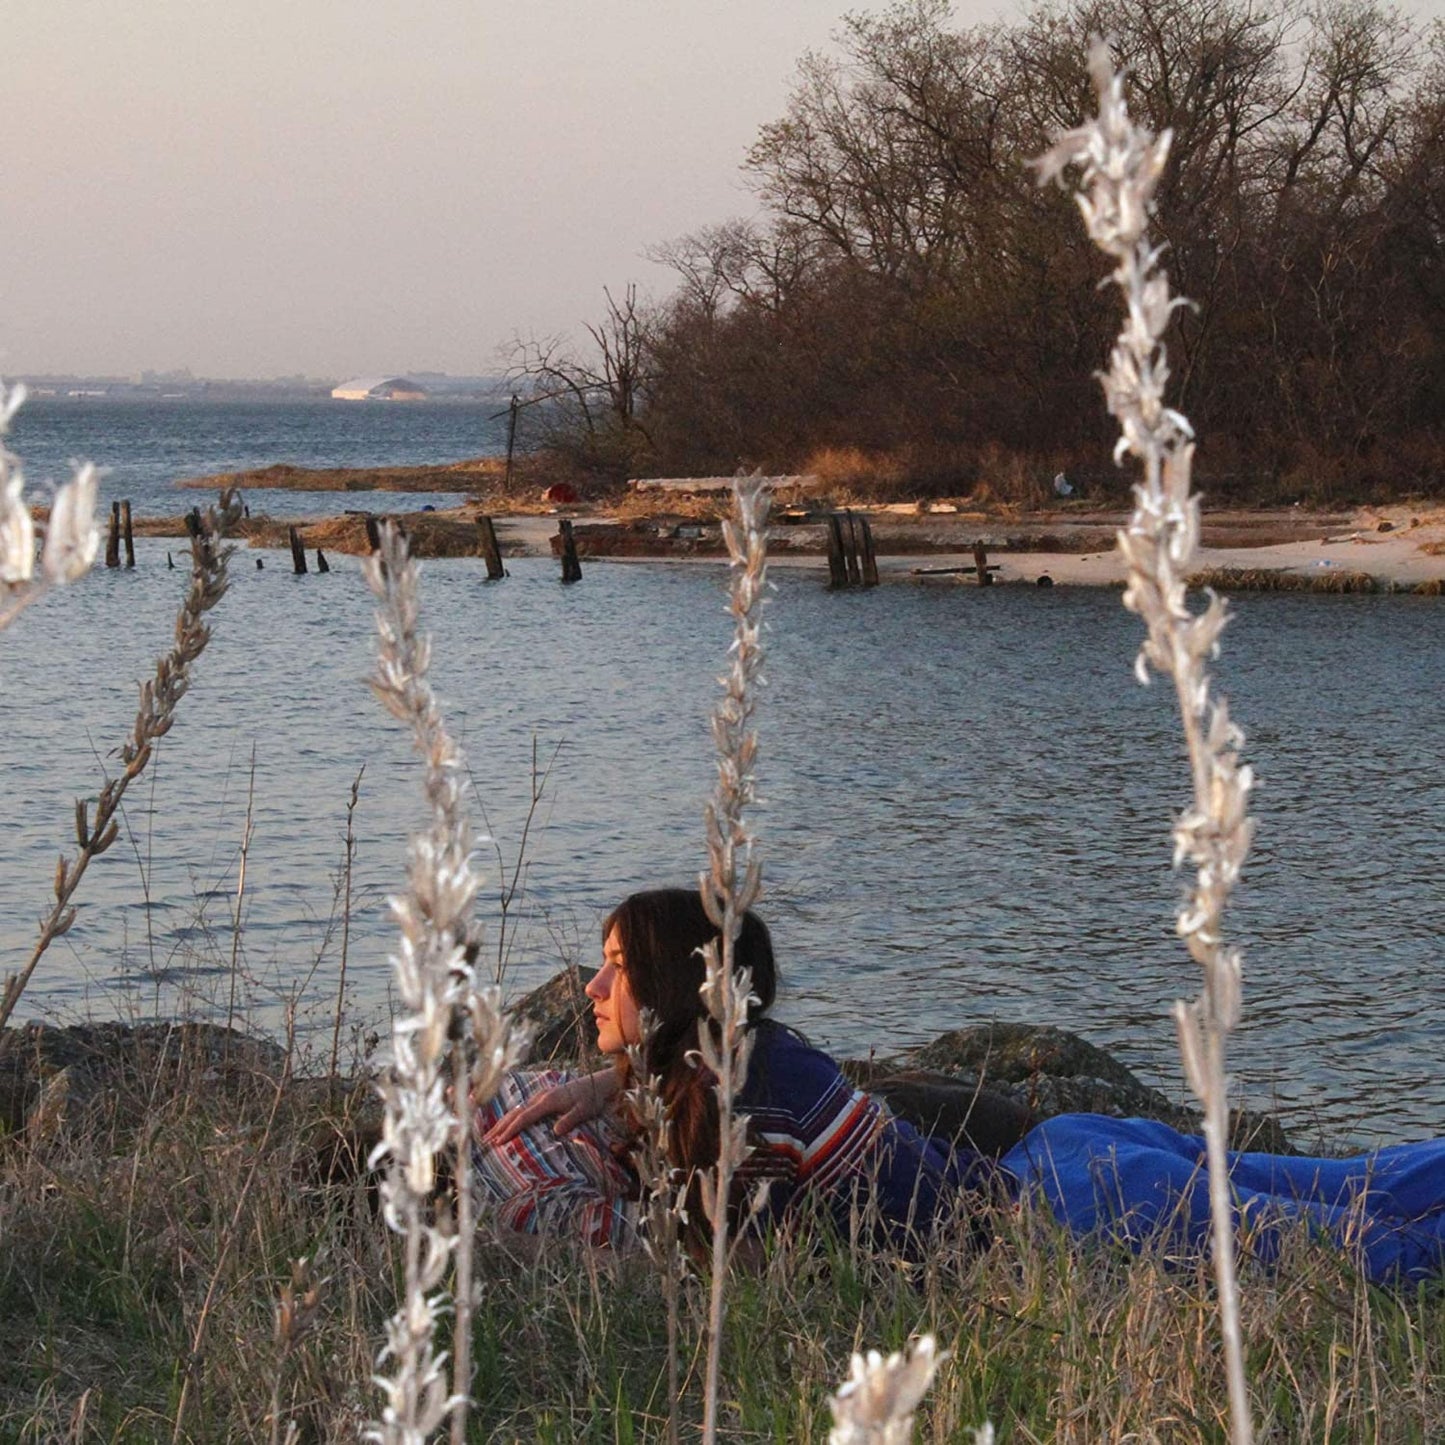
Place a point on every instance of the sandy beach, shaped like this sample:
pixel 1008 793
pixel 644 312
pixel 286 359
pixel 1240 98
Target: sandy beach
pixel 1396 546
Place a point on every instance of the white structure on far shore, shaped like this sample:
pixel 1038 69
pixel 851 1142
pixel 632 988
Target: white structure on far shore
pixel 379 388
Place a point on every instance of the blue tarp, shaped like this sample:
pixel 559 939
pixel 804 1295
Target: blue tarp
pixel 1139 1181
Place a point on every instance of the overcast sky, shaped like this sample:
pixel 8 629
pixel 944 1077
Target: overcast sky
pixel 343 187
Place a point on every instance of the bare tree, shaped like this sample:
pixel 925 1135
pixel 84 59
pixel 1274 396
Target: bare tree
pixel 591 404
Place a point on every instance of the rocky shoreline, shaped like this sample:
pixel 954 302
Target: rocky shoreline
pixel 92 1080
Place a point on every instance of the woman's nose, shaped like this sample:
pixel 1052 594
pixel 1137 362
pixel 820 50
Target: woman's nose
pixel 600 984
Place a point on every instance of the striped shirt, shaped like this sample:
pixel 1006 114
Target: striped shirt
pixel 814 1136
pixel 538 1183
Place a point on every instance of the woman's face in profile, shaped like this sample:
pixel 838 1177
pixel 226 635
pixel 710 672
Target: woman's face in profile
pixel 613 1006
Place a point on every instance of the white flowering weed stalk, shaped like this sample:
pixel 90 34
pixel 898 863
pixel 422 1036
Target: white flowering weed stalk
pixel 71 536
pixel 876 1403
pixel 445 1019
pixel 664 1200
pixel 160 695
pixel 1121 165
pixel 729 887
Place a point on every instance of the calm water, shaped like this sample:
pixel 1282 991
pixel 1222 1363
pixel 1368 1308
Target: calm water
pixel 147 447
pixel 966 805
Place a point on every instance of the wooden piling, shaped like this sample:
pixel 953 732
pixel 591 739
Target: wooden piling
pixel 868 558
pixel 373 533
pixel 322 565
pixel 112 538
pixel 126 533
pixel 490 550
pixel 298 552
pixel 980 563
pixel 850 549
pixel 571 567
pixel 837 567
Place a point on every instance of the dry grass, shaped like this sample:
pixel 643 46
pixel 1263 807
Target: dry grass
pixel 1268 579
pixel 116 1232
pixel 851 473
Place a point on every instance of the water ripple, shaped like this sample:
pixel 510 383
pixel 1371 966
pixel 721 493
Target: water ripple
pixel 966 803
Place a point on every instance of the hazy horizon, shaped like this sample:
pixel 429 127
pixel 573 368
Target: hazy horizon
pixel 369 189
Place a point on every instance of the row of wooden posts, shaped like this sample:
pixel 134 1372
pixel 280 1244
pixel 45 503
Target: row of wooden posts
pixel 853 563
pixel 119 528
pixel 851 558
pixel 491 550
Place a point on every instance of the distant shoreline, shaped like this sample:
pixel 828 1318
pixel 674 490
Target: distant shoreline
pixel 1400 546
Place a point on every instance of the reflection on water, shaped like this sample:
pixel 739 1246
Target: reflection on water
pixel 966 805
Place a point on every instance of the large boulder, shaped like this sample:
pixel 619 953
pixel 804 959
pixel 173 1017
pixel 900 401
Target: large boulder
pixel 985 1082
pixel 54 1076
pixel 1051 1071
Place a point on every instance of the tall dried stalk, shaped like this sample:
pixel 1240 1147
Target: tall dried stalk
pixel 729 887
pixel 240 903
pixel 345 920
pixel 71 536
pixel 445 1019
pixel 1121 164
pixel 159 698
pixel 664 1202
pixel 232 1233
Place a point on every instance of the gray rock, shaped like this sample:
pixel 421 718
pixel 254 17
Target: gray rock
pixel 560 1016
pixel 51 1077
pixel 1038 1069
pixel 1052 1071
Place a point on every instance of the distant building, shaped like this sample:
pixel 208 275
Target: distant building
pixel 379 388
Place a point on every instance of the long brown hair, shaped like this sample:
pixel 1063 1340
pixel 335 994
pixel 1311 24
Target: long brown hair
pixel 662 933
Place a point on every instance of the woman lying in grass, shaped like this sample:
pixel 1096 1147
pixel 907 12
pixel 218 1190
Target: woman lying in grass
pixel 814 1136
pixel 553 1150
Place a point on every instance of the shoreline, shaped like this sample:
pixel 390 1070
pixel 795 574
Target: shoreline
pixel 1394 548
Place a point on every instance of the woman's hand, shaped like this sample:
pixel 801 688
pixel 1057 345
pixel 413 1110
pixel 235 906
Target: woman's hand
pixel 574 1103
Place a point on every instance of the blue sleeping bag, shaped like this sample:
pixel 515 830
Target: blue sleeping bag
pixel 1139 1181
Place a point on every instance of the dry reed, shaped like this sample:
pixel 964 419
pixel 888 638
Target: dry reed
pixel 159 698
pixel 664 1203
pixel 445 1018
pixel 729 887
pixel 1122 164
pixel 877 1402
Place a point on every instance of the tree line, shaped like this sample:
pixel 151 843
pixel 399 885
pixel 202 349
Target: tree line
pixel 909 303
